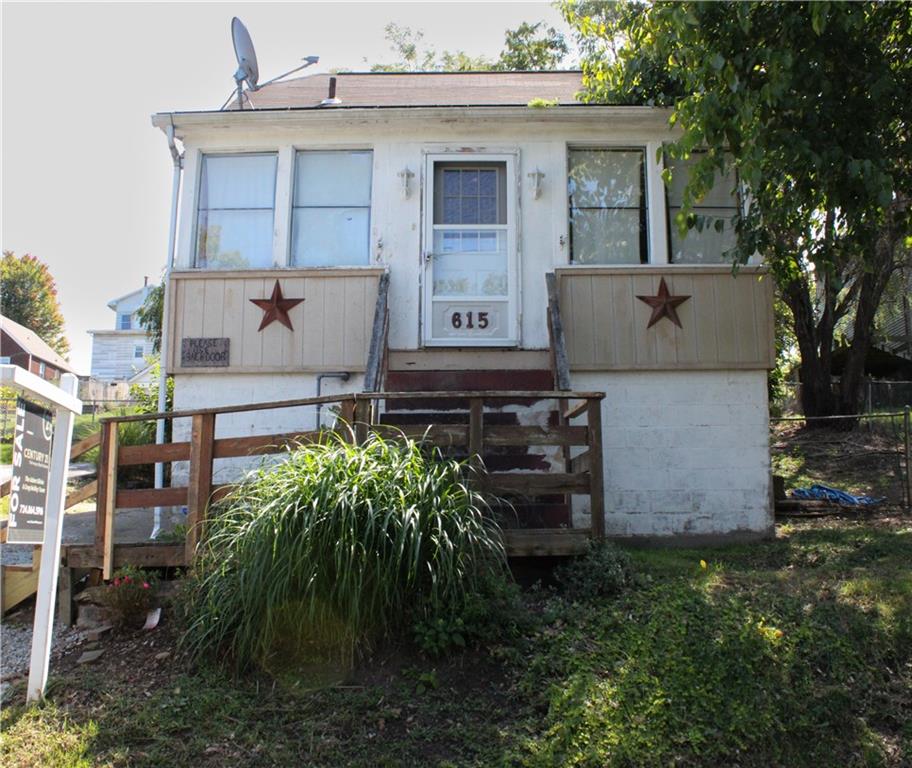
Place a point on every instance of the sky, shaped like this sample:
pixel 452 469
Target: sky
pixel 86 179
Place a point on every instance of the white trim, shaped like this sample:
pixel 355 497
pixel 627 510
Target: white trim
pixel 513 299
pixel 656 204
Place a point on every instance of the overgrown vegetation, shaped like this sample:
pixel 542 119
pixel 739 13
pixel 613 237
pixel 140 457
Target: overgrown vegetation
pixel 337 547
pixel 796 652
pixel 604 571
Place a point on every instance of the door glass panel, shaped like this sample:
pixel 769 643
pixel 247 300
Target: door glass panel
pixel 469 268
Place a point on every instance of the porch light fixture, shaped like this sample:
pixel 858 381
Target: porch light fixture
pixel 405 177
pixel 535 182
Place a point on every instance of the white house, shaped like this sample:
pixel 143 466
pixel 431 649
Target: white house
pixel 467 197
pixel 119 353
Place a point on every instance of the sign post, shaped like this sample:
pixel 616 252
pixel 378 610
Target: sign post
pixel 65 403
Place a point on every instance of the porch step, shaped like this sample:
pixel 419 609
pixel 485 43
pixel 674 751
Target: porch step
pixel 541 511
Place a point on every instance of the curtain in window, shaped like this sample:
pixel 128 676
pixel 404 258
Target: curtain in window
pixel 331 215
pixel 607 206
pixel 716 214
pixel 236 211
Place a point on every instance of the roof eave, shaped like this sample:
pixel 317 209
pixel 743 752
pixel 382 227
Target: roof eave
pixel 563 113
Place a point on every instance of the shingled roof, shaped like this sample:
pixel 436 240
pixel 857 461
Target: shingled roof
pixel 32 343
pixel 420 89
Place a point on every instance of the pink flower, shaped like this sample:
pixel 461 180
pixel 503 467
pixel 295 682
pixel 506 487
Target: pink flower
pixel 116 582
pixel 145 585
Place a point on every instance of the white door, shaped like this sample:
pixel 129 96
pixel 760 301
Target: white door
pixel 470 280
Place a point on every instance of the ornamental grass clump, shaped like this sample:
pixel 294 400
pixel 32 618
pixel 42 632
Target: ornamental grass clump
pixel 337 546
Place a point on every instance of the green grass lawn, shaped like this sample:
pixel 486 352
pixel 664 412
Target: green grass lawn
pixel 797 652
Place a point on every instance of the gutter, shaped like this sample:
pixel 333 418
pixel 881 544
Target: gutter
pixel 177 159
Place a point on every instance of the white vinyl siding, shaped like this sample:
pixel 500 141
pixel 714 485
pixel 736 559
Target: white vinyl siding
pixel 330 223
pixel 235 211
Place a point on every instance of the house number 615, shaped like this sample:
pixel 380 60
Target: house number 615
pixel 471 318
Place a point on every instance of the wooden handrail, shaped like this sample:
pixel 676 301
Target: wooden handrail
pixel 556 335
pixel 377 353
pixel 361 397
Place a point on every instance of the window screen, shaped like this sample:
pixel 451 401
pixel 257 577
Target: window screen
pixel 704 243
pixel 607 206
pixel 331 215
pixel 235 211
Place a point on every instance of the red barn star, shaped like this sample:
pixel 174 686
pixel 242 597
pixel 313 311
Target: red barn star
pixel 276 308
pixel 663 305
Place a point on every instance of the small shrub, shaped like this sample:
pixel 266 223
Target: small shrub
pixel 494 613
pixel 604 571
pixel 129 596
pixel 339 545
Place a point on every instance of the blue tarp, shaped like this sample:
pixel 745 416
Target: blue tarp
pixel 825 493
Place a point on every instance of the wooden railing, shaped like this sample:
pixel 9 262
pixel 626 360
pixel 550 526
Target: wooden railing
pixel 376 354
pixel 560 367
pixel 578 430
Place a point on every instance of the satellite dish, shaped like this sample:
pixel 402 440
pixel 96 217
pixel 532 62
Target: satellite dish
pixel 246 55
pixel 248 70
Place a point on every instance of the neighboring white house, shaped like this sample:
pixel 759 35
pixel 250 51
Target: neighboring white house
pixel 118 354
pixel 467 197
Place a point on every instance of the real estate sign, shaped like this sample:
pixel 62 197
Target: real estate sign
pixel 31 463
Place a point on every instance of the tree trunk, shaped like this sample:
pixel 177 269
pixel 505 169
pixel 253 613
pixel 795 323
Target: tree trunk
pixel 817 398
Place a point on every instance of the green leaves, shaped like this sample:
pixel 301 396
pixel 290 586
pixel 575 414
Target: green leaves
pixel 336 547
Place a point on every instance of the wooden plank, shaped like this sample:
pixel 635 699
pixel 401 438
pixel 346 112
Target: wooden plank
pixel 536 483
pixel 327 273
pixel 749 337
pixel 436 434
pixel 235 316
pixel 132 455
pixel 556 334
pixel 535 435
pixel 86 444
pixel 81 494
pixel 378 340
pixel 141 555
pixel 703 298
pixel 258 445
pixel 581 463
pixel 250 355
pixel 362 420
pixel 18 583
pixel 576 410
pixel 107 493
pixel 543 542
pixel 726 333
pixel 624 318
pixel 476 431
pixel 332 323
pixel 138 498
pixel 596 480
pixel 199 486
pixel 65 595
pixel 347 412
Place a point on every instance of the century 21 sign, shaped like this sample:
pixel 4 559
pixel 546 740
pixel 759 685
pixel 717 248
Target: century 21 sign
pixel 29 482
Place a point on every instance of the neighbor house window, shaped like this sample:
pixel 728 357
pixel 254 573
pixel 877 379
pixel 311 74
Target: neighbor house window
pixel 607 191
pixel 330 222
pixel 235 211
pixel 713 233
pixel 138 351
pixel 124 322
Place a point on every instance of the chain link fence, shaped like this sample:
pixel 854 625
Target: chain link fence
pixel 864 455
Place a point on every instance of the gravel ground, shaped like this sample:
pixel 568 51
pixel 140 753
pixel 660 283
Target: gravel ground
pixel 16 643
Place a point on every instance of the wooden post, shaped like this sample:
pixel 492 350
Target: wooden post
pixel 65 595
pixel 106 498
pixel 907 428
pixel 476 432
pixel 362 420
pixel 199 487
pixel 347 414
pixel 596 468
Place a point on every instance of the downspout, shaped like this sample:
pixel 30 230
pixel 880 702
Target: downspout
pixel 344 375
pixel 177 159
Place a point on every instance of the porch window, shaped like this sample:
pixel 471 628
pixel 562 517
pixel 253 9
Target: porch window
pixel 235 211
pixel 607 191
pixel 716 214
pixel 330 223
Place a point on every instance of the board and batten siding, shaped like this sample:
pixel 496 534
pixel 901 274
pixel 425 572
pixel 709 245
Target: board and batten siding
pixel 332 326
pixel 727 323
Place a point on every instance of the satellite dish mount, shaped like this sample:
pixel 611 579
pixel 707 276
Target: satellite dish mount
pixel 248 70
